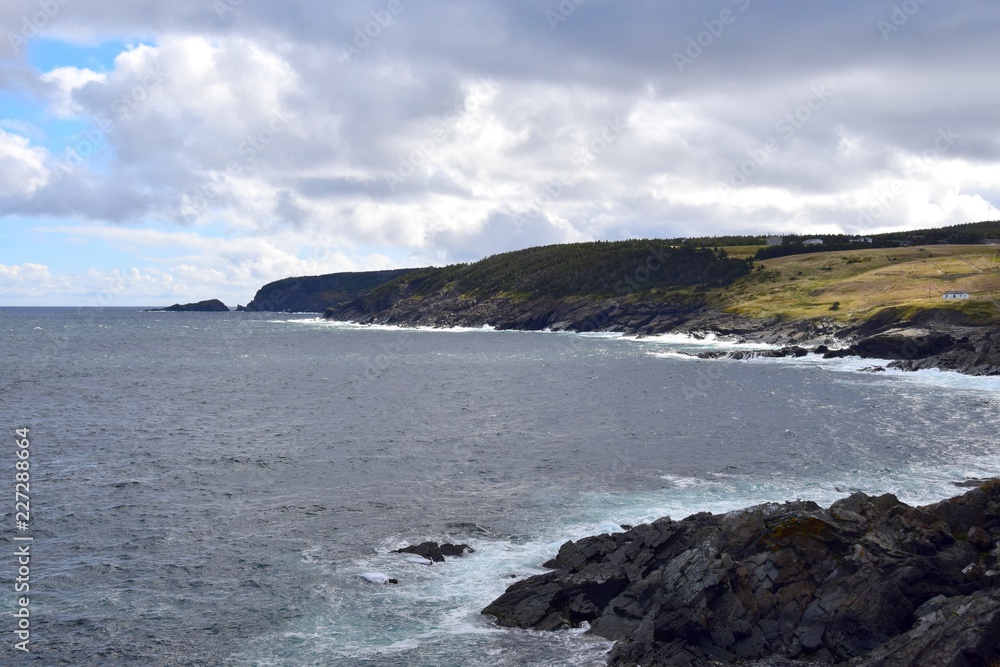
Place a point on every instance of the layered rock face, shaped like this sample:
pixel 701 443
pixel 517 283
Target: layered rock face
pixel 868 582
pixel 314 294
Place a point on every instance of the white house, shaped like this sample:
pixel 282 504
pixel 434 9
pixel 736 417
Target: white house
pixel 950 296
pixel 775 240
pixel 813 242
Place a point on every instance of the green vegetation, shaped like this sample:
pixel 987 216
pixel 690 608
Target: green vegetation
pixel 316 293
pixel 598 269
pixel 839 280
pixel 969 233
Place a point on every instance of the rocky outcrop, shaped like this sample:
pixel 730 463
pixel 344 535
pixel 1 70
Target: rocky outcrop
pixel 965 349
pixel 567 314
pixel 972 356
pixel 435 552
pixel 790 351
pixel 209 306
pixel 870 581
pixel 933 339
pixel 963 629
pixel 314 294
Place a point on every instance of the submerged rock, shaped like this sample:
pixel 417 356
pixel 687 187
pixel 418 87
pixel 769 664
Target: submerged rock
pixel 788 581
pixel 436 552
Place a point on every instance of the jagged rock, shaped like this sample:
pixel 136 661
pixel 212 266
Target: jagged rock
pixel 790 351
pixel 436 552
pixel 970 483
pixel 903 345
pixel 789 581
pixel 962 631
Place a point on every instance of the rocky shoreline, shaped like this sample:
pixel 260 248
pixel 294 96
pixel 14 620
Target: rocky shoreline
pixel 941 339
pixel 867 582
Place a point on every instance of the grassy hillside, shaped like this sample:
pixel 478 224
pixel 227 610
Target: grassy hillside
pixel 599 269
pixel 865 282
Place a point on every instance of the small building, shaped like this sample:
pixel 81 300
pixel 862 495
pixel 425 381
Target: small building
pixel 813 242
pixel 775 240
pixel 951 296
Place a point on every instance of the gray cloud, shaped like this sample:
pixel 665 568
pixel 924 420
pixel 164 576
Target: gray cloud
pixel 449 120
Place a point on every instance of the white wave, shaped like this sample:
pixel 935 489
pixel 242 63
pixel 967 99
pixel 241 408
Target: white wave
pixel 925 377
pixel 707 340
pixel 311 554
pixel 336 324
pixel 415 558
pixel 686 346
pixel 932 377
pixel 434 611
pixel 592 334
pixel 682 482
pixel 673 354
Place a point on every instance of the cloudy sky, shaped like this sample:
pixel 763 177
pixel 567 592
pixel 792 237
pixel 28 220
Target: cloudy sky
pixel 153 152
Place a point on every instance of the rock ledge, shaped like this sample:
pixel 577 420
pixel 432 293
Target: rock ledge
pixel 868 582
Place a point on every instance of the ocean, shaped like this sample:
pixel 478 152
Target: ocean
pixel 221 489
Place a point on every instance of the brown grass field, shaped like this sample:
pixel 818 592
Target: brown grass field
pixel 864 282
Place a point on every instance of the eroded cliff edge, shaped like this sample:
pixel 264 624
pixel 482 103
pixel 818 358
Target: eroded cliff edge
pixel 868 582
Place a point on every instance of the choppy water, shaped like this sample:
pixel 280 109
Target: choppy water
pixel 209 489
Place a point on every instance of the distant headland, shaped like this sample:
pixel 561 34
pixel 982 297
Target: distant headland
pixel 208 306
pixel 889 296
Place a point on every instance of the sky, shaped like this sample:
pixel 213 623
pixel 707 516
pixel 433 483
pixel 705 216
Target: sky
pixel 158 152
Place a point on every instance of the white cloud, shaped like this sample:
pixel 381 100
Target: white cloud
pixel 463 131
pixel 187 265
pixel 22 166
pixel 65 82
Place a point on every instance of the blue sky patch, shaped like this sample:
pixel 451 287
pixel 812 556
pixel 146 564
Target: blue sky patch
pixel 49 54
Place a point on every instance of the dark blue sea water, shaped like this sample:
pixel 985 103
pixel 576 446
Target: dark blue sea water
pixel 212 489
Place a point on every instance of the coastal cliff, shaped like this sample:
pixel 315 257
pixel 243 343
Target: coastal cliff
pixel 867 582
pixel 941 339
pixel 850 303
pixel 608 286
pixel 314 294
